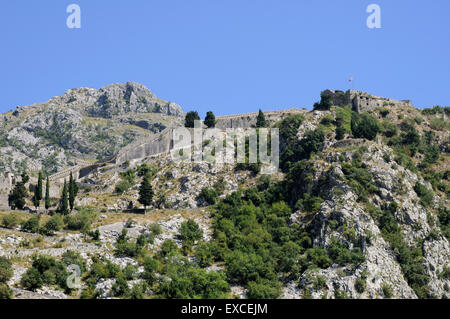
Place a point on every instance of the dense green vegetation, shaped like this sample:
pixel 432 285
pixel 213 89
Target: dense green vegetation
pixel 6 273
pixel 293 150
pixel 325 102
pixel 364 126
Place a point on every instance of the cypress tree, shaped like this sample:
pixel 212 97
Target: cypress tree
pixel 73 191
pixel 47 194
pixel 39 188
pixel 145 193
pixel 35 199
pixel 64 204
pixel 261 120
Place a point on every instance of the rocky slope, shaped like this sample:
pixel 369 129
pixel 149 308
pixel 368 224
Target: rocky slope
pixel 376 207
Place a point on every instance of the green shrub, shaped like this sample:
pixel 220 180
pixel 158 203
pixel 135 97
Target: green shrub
pixel 72 257
pixel 81 221
pixel 246 267
pixel 122 187
pixel 389 129
pixel 209 195
pixel 342 255
pixel 327 120
pixel 32 279
pixel 344 119
pixel 120 287
pixel 364 126
pixel 309 204
pixel 387 291
pixel 438 124
pixel 190 231
pixel 32 224
pixel 319 257
pixel 6 270
pixel 168 247
pixel 263 289
pixel 384 112
pixel 204 254
pixel 189 282
pixel 426 195
pixel 155 229
pixel 320 283
pixel 360 285
pixel 54 224
pixel 11 220
pixel 340 133
pixel 340 294
pixel 5 291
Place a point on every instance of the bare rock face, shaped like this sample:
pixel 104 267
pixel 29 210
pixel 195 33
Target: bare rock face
pixel 132 97
pixel 83 123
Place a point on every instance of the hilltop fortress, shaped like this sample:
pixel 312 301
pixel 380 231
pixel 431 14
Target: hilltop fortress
pixel 362 101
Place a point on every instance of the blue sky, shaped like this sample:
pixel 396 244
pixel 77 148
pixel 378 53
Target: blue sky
pixel 228 56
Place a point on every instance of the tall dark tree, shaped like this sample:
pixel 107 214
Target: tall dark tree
pixel 146 193
pixel 39 187
pixel 190 119
pixel 47 194
pixel 210 119
pixel 73 191
pixel 37 197
pixel 17 196
pixel 64 203
pixel 261 120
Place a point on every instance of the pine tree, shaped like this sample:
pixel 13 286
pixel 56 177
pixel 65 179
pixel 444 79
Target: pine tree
pixel 190 119
pixel 146 193
pixel 47 194
pixel 261 120
pixel 210 119
pixel 64 204
pixel 73 191
pixel 17 196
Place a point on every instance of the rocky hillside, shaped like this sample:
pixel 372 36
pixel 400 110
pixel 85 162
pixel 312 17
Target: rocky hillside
pixel 359 209
pixel 82 124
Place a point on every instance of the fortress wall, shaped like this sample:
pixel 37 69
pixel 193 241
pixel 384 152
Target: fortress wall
pixel 248 120
pixel 146 147
pixel 161 143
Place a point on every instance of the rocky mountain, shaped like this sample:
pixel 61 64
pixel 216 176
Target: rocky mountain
pixel 359 208
pixel 82 124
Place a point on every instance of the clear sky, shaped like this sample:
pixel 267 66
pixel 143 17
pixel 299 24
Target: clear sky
pixel 228 56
